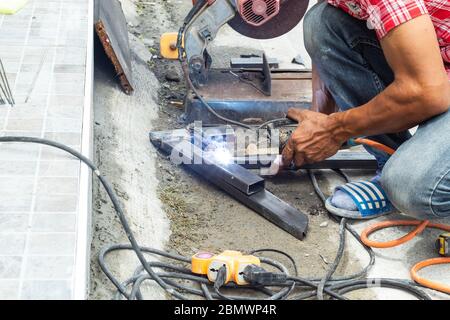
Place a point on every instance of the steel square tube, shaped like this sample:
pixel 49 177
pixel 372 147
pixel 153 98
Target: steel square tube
pixel 256 197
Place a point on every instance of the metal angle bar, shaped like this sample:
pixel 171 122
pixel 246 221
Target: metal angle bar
pixel 342 160
pixel 252 63
pixel 260 200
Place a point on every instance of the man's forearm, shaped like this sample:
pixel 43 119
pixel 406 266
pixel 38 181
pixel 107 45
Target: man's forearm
pixel 399 107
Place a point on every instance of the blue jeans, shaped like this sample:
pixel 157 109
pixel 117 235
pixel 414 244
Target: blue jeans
pixel 351 63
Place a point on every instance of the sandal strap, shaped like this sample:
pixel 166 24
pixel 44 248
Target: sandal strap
pixel 368 196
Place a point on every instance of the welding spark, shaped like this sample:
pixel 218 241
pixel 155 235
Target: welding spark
pixel 218 153
pixel 222 156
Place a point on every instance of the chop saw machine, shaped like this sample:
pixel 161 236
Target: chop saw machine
pixel 252 92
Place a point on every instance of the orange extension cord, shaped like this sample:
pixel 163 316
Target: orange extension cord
pixel 420 226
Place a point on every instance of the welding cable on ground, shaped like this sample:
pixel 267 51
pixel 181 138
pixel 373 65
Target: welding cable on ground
pixel 168 278
pixel 109 190
pixel 354 281
pixel 358 284
pixel 181 273
pixel 348 227
pixel 420 227
pixel 294 264
pixel 163 279
pixel 336 261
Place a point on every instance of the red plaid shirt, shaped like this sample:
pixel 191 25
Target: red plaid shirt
pixel 384 15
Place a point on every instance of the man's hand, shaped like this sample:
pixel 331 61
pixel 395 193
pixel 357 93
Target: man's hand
pixel 313 140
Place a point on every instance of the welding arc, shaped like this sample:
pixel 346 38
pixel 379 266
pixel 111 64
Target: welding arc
pixel 175 272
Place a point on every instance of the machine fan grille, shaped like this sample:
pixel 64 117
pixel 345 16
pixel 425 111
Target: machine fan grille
pixel 258 12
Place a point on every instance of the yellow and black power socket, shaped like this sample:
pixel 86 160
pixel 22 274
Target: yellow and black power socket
pixel 443 245
pixel 235 262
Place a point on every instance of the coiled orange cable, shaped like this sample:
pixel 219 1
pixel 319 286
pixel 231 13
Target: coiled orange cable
pixel 420 226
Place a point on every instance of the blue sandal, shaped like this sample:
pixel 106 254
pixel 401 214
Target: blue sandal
pixel 369 200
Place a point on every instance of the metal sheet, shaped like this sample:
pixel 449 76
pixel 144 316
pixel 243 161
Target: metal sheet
pixel 111 28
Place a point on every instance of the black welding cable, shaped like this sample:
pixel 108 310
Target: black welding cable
pixel 294 264
pixel 312 284
pixel 349 228
pixel 109 190
pixel 182 58
pixel 208 106
pixel 163 279
pixel 194 10
pixel 397 284
pixel 353 282
pixel 181 273
pixel 336 261
pixel 206 292
pixel 176 285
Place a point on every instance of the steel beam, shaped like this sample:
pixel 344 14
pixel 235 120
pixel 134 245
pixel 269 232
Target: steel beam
pixel 241 184
pixel 342 160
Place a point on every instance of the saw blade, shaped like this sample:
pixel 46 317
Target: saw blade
pixel 291 12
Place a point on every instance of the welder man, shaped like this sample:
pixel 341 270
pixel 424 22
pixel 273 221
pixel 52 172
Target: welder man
pixel 380 67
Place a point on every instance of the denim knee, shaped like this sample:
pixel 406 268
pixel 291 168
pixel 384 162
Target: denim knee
pixel 314 29
pixel 416 193
pixel 440 198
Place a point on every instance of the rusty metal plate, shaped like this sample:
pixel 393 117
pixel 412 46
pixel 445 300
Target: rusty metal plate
pixel 111 28
pixel 291 12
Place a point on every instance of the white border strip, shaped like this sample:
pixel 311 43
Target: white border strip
pixel 83 241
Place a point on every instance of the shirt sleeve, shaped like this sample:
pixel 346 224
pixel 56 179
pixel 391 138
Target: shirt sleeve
pixel 384 15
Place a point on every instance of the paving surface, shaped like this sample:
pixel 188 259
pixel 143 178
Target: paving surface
pixel 43 200
pixel 201 216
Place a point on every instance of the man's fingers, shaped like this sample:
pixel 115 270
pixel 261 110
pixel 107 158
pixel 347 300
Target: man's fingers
pixel 288 153
pixel 299 159
pixel 298 115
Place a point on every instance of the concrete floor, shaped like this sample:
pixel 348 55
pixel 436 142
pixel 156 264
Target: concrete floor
pixel 201 216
